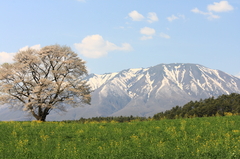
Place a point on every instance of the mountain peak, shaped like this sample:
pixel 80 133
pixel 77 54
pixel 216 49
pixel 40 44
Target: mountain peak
pixel 158 88
pixel 147 91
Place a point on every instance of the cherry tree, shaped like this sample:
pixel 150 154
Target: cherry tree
pixel 39 81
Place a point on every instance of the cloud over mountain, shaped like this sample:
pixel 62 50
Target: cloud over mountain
pixel 94 46
pixel 147 31
pixel 8 57
pixel 222 6
pixel 136 16
pixel 209 14
pixel 152 17
pixel 36 47
pixel 173 17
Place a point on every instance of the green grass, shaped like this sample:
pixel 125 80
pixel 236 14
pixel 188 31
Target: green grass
pixel 212 137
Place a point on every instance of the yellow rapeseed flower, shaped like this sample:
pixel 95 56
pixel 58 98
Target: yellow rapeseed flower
pixel 44 137
pixel 236 131
pixel 228 114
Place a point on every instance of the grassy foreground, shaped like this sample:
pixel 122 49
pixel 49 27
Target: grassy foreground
pixel 212 137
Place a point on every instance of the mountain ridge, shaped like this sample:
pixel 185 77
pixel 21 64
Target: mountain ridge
pixel 147 91
pixel 198 82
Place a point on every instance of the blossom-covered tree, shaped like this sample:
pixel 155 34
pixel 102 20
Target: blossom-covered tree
pixel 42 80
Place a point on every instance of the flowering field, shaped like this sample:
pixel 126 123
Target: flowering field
pixel 212 137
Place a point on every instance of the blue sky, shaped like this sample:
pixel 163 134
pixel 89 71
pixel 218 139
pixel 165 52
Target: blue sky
pixel 112 35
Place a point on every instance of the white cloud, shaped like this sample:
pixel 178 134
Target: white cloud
pixel 136 16
pixel 173 17
pixel 152 17
pixel 196 10
pixel 146 37
pixel 147 31
pixel 94 46
pixel 36 47
pixel 209 14
pixel 163 35
pixel 212 16
pixel 8 57
pixel 222 6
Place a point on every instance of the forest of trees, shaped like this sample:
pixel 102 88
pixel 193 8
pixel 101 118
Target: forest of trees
pixel 224 104
pixel 208 107
pixel 119 119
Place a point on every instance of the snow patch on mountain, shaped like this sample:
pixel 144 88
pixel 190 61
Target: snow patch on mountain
pixel 96 81
pixel 147 91
pixel 149 84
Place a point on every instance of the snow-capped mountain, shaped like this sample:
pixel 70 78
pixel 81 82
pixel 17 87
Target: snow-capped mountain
pixel 147 91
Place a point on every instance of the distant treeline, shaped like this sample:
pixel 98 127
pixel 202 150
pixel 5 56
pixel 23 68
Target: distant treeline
pixel 220 106
pixel 118 119
pixel 224 104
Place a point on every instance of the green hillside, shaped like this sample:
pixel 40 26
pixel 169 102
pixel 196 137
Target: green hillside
pixel 221 106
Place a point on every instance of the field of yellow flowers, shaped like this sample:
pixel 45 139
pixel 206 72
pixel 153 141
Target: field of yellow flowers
pixel 207 137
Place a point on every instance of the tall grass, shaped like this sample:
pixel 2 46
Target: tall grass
pixel 212 137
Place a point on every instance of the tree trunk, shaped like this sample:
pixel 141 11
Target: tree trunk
pixel 41 114
pixel 43 118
